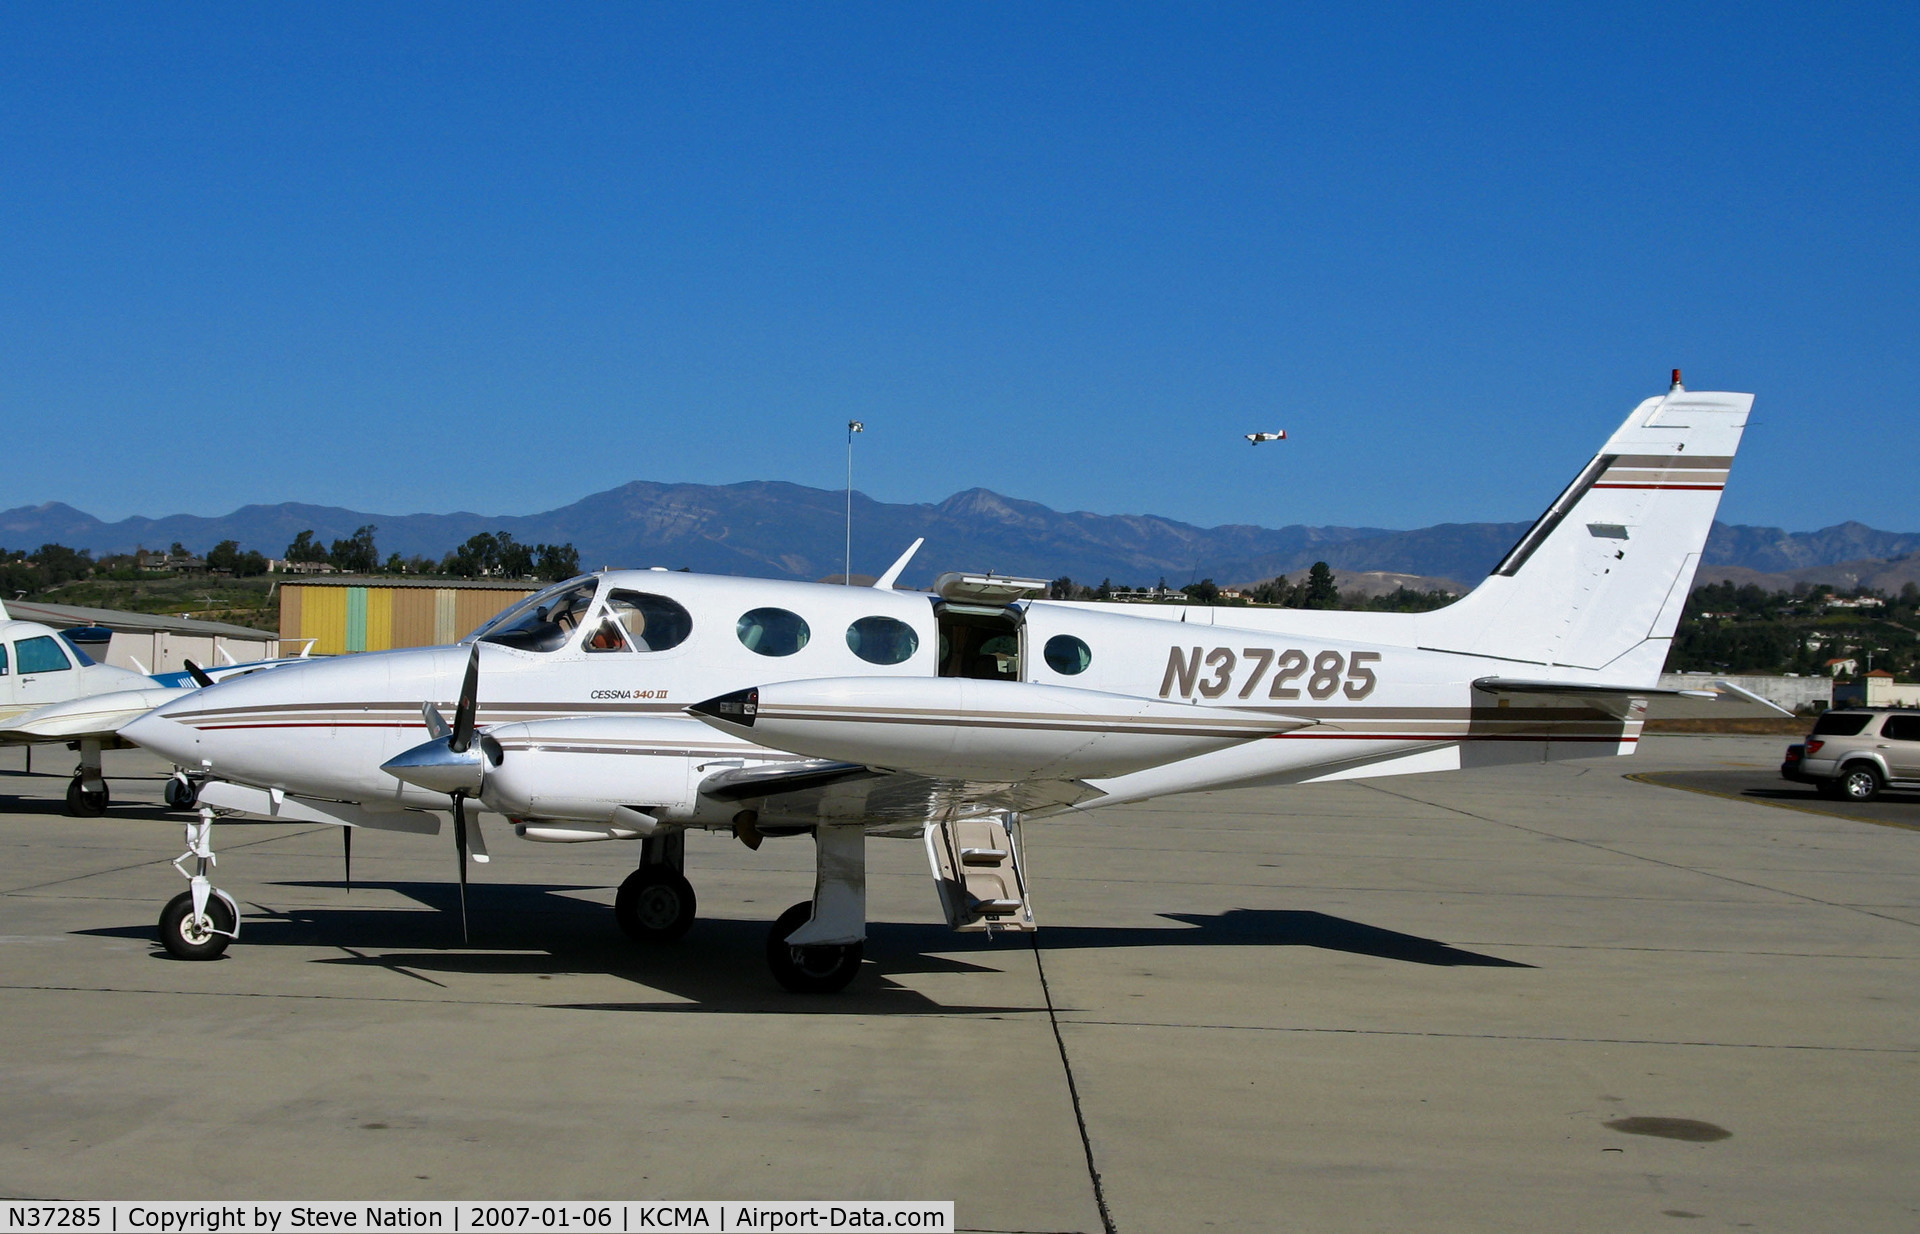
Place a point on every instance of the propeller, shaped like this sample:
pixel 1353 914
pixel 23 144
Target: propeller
pixel 449 763
pixel 198 674
pixel 459 741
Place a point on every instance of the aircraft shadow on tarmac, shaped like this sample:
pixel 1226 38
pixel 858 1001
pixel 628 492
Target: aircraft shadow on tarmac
pixel 546 931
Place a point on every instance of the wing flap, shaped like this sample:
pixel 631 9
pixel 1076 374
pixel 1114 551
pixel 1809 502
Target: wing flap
pixel 1720 700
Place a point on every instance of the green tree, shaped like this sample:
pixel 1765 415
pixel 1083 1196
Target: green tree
pixel 304 549
pixel 224 557
pixel 1321 593
pixel 357 554
pixel 1203 592
pixel 554 562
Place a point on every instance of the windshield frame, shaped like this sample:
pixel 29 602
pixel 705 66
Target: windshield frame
pixel 514 614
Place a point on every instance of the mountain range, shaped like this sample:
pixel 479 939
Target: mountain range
pixel 780 530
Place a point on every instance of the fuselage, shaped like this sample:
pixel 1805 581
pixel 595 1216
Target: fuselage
pixel 39 667
pixel 627 646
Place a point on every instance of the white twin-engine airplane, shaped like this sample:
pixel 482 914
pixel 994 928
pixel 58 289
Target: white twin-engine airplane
pixel 637 704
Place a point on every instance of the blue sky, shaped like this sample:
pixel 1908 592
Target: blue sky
pixel 436 257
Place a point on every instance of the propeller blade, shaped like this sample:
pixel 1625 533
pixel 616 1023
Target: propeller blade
pixel 346 853
pixel 198 674
pixel 460 846
pixel 437 725
pixel 468 707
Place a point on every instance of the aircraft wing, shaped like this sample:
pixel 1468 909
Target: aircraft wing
pixel 890 802
pixel 95 716
pixel 1719 700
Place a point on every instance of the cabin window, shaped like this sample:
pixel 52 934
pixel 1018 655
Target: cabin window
pixel 3 659
pixel 40 655
pixel 882 640
pixel 543 623
pixel 772 631
pixel 636 621
pixel 1067 655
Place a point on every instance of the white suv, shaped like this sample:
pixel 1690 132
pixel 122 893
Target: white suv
pixel 1854 753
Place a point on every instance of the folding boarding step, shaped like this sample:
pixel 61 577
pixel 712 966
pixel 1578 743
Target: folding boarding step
pixel 976 867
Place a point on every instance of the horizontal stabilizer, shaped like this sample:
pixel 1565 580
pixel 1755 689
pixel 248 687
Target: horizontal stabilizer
pixel 1721 700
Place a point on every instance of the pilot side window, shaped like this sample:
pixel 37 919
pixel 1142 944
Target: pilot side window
pixel 40 655
pixel 772 631
pixel 3 659
pixel 545 626
pixel 636 621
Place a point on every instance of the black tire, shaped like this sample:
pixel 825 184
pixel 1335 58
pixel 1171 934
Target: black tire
pixel 1858 782
pixel 810 970
pixel 181 793
pixel 655 905
pixel 185 940
pixel 84 804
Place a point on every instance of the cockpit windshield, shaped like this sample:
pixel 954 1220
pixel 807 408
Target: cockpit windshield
pixel 542 622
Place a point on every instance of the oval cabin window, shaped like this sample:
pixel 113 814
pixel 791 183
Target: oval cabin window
pixel 882 640
pixel 772 631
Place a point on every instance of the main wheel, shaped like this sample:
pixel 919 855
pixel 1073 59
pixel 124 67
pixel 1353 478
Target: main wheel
pixel 1860 782
pixel 189 938
pixel 822 969
pixel 655 905
pixel 85 803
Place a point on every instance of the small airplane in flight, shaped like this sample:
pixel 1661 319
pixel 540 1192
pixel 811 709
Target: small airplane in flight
pixel 1254 439
pixel 52 692
pixel 635 705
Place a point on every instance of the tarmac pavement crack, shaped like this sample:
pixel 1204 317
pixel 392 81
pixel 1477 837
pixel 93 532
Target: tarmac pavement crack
pixel 1632 856
pixel 1073 1090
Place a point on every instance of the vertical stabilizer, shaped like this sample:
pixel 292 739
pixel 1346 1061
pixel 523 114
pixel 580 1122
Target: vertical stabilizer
pixel 1598 582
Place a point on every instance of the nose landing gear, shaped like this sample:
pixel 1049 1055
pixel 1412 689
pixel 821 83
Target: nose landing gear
pixel 198 923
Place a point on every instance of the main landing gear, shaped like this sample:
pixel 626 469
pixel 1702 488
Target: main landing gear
pixel 656 904
pixel 87 795
pixel 198 923
pixel 816 946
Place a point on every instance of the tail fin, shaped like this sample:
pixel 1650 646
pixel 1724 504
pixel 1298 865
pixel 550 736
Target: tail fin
pixel 1597 584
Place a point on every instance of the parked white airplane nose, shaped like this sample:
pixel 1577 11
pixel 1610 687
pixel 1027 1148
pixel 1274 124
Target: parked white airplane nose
pixel 166 737
pixel 982 730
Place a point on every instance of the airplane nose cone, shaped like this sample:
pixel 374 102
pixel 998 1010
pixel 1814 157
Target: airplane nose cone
pixel 438 767
pixel 168 738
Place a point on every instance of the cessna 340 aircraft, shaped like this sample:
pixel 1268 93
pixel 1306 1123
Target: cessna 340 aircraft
pixel 637 704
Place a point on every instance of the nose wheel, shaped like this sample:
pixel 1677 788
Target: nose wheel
pixel 188 935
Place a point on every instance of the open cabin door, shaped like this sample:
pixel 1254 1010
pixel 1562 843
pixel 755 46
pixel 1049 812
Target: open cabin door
pixel 981 629
pixel 977 866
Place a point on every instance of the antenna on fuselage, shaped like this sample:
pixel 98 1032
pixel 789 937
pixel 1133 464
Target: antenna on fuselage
pixel 886 581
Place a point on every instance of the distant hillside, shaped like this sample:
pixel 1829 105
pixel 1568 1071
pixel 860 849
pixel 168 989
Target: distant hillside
pixel 780 530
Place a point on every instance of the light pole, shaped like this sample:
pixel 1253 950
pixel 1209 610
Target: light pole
pixel 853 426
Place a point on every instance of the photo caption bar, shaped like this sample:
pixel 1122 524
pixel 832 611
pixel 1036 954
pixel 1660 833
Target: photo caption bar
pixel 474 1216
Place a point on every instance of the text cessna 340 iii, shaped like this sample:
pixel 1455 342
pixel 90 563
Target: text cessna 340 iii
pixel 637 704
